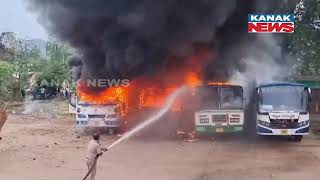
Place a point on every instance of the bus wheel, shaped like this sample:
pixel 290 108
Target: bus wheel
pixel 297 138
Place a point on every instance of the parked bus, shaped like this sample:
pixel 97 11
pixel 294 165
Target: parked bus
pixel 221 109
pixel 89 114
pixel 282 109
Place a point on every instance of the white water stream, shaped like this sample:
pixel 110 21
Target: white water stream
pixel 170 100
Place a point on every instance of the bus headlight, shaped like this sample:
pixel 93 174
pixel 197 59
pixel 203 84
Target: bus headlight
pixel 304 123
pixel 204 120
pixel 82 116
pixel 234 120
pixel 84 122
pixel 263 123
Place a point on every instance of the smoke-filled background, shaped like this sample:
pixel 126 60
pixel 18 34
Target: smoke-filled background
pixel 131 38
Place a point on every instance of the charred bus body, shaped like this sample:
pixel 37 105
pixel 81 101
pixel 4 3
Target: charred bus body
pixel 282 109
pixel 221 109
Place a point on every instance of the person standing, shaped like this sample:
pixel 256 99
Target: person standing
pixel 94 150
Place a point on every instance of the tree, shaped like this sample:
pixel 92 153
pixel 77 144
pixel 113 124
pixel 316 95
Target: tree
pixel 18 66
pixel 55 68
pixel 6 84
pixel 6 45
pixel 25 61
pixel 305 42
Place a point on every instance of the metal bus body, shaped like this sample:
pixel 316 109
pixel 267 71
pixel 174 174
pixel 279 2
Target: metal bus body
pixel 282 109
pixel 221 109
pixel 97 115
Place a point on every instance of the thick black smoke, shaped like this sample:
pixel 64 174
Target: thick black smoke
pixel 129 38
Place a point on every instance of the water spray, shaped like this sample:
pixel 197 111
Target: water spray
pixel 169 102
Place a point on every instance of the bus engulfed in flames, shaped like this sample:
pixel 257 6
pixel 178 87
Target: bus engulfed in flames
pixel 151 91
pixel 148 96
pixel 118 95
pixel 154 97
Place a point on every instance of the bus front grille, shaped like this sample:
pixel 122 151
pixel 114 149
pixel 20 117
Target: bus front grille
pixel 220 118
pixel 97 116
pixel 284 123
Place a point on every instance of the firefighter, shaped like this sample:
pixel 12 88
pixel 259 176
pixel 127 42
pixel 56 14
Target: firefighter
pixel 94 150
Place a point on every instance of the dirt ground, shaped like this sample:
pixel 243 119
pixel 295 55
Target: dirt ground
pixel 48 149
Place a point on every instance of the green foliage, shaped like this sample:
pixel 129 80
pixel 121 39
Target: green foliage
pixel 305 42
pixel 18 66
pixel 6 80
pixel 55 69
pixel 27 62
pixel 52 73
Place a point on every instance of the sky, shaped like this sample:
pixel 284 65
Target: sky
pixel 15 17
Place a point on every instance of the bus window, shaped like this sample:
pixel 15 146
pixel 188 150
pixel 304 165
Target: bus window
pixel 231 98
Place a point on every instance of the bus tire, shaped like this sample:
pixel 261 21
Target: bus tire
pixel 297 138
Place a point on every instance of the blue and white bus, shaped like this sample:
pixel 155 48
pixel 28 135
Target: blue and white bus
pixel 282 109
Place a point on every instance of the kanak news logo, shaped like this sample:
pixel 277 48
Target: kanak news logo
pixel 270 23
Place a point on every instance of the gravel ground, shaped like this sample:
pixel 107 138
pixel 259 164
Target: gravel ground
pixel 41 148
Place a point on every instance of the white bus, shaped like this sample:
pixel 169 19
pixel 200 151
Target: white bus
pixel 221 109
pixel 89 114
pixel 282 109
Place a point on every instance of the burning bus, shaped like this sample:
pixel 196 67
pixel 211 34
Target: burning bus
pixel 91 114
pixel 103 108
pixel 98 115
pixel 282 109
pixel 220 108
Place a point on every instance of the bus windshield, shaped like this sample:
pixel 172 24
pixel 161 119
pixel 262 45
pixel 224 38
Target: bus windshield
pixel 217 97
pixel 231 98
pixel 283 98
pixel 208 97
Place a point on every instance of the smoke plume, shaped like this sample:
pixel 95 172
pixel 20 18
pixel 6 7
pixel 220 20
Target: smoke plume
pixel 131 38
pixel 264 62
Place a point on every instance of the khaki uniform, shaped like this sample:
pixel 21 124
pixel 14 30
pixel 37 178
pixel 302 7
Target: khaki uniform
pixel 3 118
pixel 93 150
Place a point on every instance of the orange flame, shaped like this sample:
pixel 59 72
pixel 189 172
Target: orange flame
pixel 117 95
pixel 193 79
pixel 151 91
pixel 218 83
pixel 155 97
pixel 175 75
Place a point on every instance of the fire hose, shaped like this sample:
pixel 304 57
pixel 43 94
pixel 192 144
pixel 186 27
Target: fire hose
pixel 93 166
pixel 149 121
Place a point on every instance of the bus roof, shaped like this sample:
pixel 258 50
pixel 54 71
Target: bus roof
pixel 222 85
pixel 280 83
